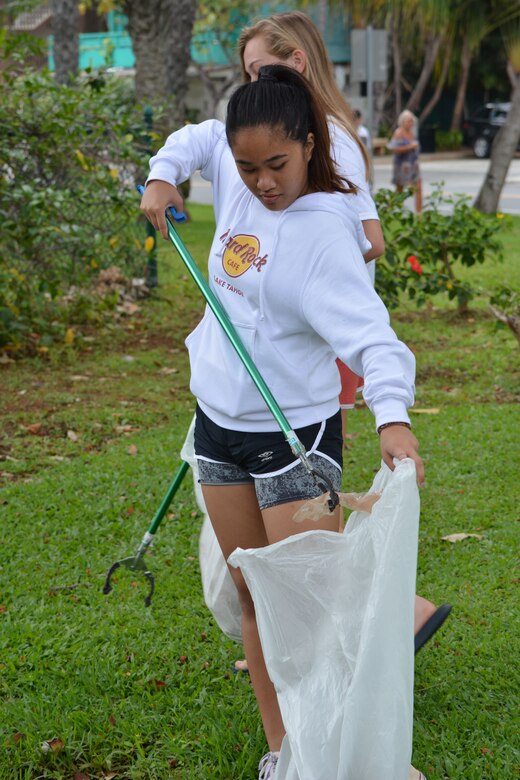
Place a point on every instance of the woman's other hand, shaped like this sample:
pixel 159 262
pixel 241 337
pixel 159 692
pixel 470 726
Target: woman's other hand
pixel 397 441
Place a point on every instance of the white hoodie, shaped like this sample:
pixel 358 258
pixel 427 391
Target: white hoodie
pixel 295 286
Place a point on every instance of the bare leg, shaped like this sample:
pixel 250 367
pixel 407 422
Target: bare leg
pixel 424 609
pixel 238 522
pixel 418 197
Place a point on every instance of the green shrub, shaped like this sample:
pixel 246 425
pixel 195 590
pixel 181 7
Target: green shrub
pixel 448 140
pixel 69 159
pixel 423 250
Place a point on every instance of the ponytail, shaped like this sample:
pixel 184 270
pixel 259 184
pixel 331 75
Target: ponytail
pixel 283 99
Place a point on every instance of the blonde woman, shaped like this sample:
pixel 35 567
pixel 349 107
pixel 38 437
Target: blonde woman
pixel 406 149
pixel 292 39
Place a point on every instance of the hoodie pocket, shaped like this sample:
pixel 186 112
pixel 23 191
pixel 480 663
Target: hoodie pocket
pixel 218 376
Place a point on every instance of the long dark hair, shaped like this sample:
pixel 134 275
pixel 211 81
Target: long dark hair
pixel 284 99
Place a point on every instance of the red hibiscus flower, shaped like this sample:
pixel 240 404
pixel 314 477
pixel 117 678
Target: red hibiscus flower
pixel 416 266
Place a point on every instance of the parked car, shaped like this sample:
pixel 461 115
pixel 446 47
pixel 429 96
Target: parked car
pixel 481 128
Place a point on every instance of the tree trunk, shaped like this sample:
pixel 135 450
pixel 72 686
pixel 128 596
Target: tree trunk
pixel 502 151
pixel 65 26
pixel 177 53
pixel 145 30
pixel 463 83
pixel 161 36
pixel 511 320
pixel 425 113
pixel 432 45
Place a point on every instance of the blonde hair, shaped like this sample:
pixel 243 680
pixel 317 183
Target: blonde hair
pixel 406 114
pixel 286 32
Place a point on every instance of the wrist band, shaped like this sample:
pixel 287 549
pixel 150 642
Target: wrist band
pixel 388 424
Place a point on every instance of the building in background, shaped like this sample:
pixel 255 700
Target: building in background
pixel 105 43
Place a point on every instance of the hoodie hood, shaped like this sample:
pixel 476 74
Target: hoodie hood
pixel 334 203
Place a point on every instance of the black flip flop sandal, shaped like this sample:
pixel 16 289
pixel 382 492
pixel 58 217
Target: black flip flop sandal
pixel 432 625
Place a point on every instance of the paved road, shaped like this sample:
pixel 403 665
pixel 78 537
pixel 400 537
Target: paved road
pixel 459 174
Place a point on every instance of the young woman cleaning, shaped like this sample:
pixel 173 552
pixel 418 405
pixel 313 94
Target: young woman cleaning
pixel 293 40
pixel 283 262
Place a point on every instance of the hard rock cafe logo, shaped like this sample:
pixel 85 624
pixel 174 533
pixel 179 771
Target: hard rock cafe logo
pixel 240 253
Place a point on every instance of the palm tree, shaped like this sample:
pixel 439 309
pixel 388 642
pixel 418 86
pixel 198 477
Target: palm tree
pixel 477 18
pixel 506 140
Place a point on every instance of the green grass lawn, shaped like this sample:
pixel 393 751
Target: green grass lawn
pixel 90 442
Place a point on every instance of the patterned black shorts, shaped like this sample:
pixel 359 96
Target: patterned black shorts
pixel 265 459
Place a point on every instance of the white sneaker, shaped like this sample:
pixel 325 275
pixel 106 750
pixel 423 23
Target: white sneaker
pixel 267 766
pixel 414 774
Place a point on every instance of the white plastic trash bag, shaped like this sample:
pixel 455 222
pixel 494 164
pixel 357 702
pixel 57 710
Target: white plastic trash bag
pixel 220 593
pixel 335 616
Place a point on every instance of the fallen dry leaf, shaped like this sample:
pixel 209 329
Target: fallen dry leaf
pixel 81 776
pixel 168 371
pixel 460 537
pixel 72 435
pixel 132 450
pixel 124 428
pixel 18 736
pixel 424 411
pixel 157 683
pixel 35 428
pixel 55 744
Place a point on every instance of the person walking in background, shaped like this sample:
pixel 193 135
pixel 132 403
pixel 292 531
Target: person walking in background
pixel 364 134
pixel 405 147
pixel 362 131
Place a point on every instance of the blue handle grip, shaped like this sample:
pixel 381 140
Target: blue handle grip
pixel 178 216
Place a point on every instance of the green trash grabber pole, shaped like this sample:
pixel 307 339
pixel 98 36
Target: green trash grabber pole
pixel 220 313
pixel 135 562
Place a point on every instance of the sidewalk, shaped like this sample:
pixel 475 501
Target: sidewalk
pixel 459 171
